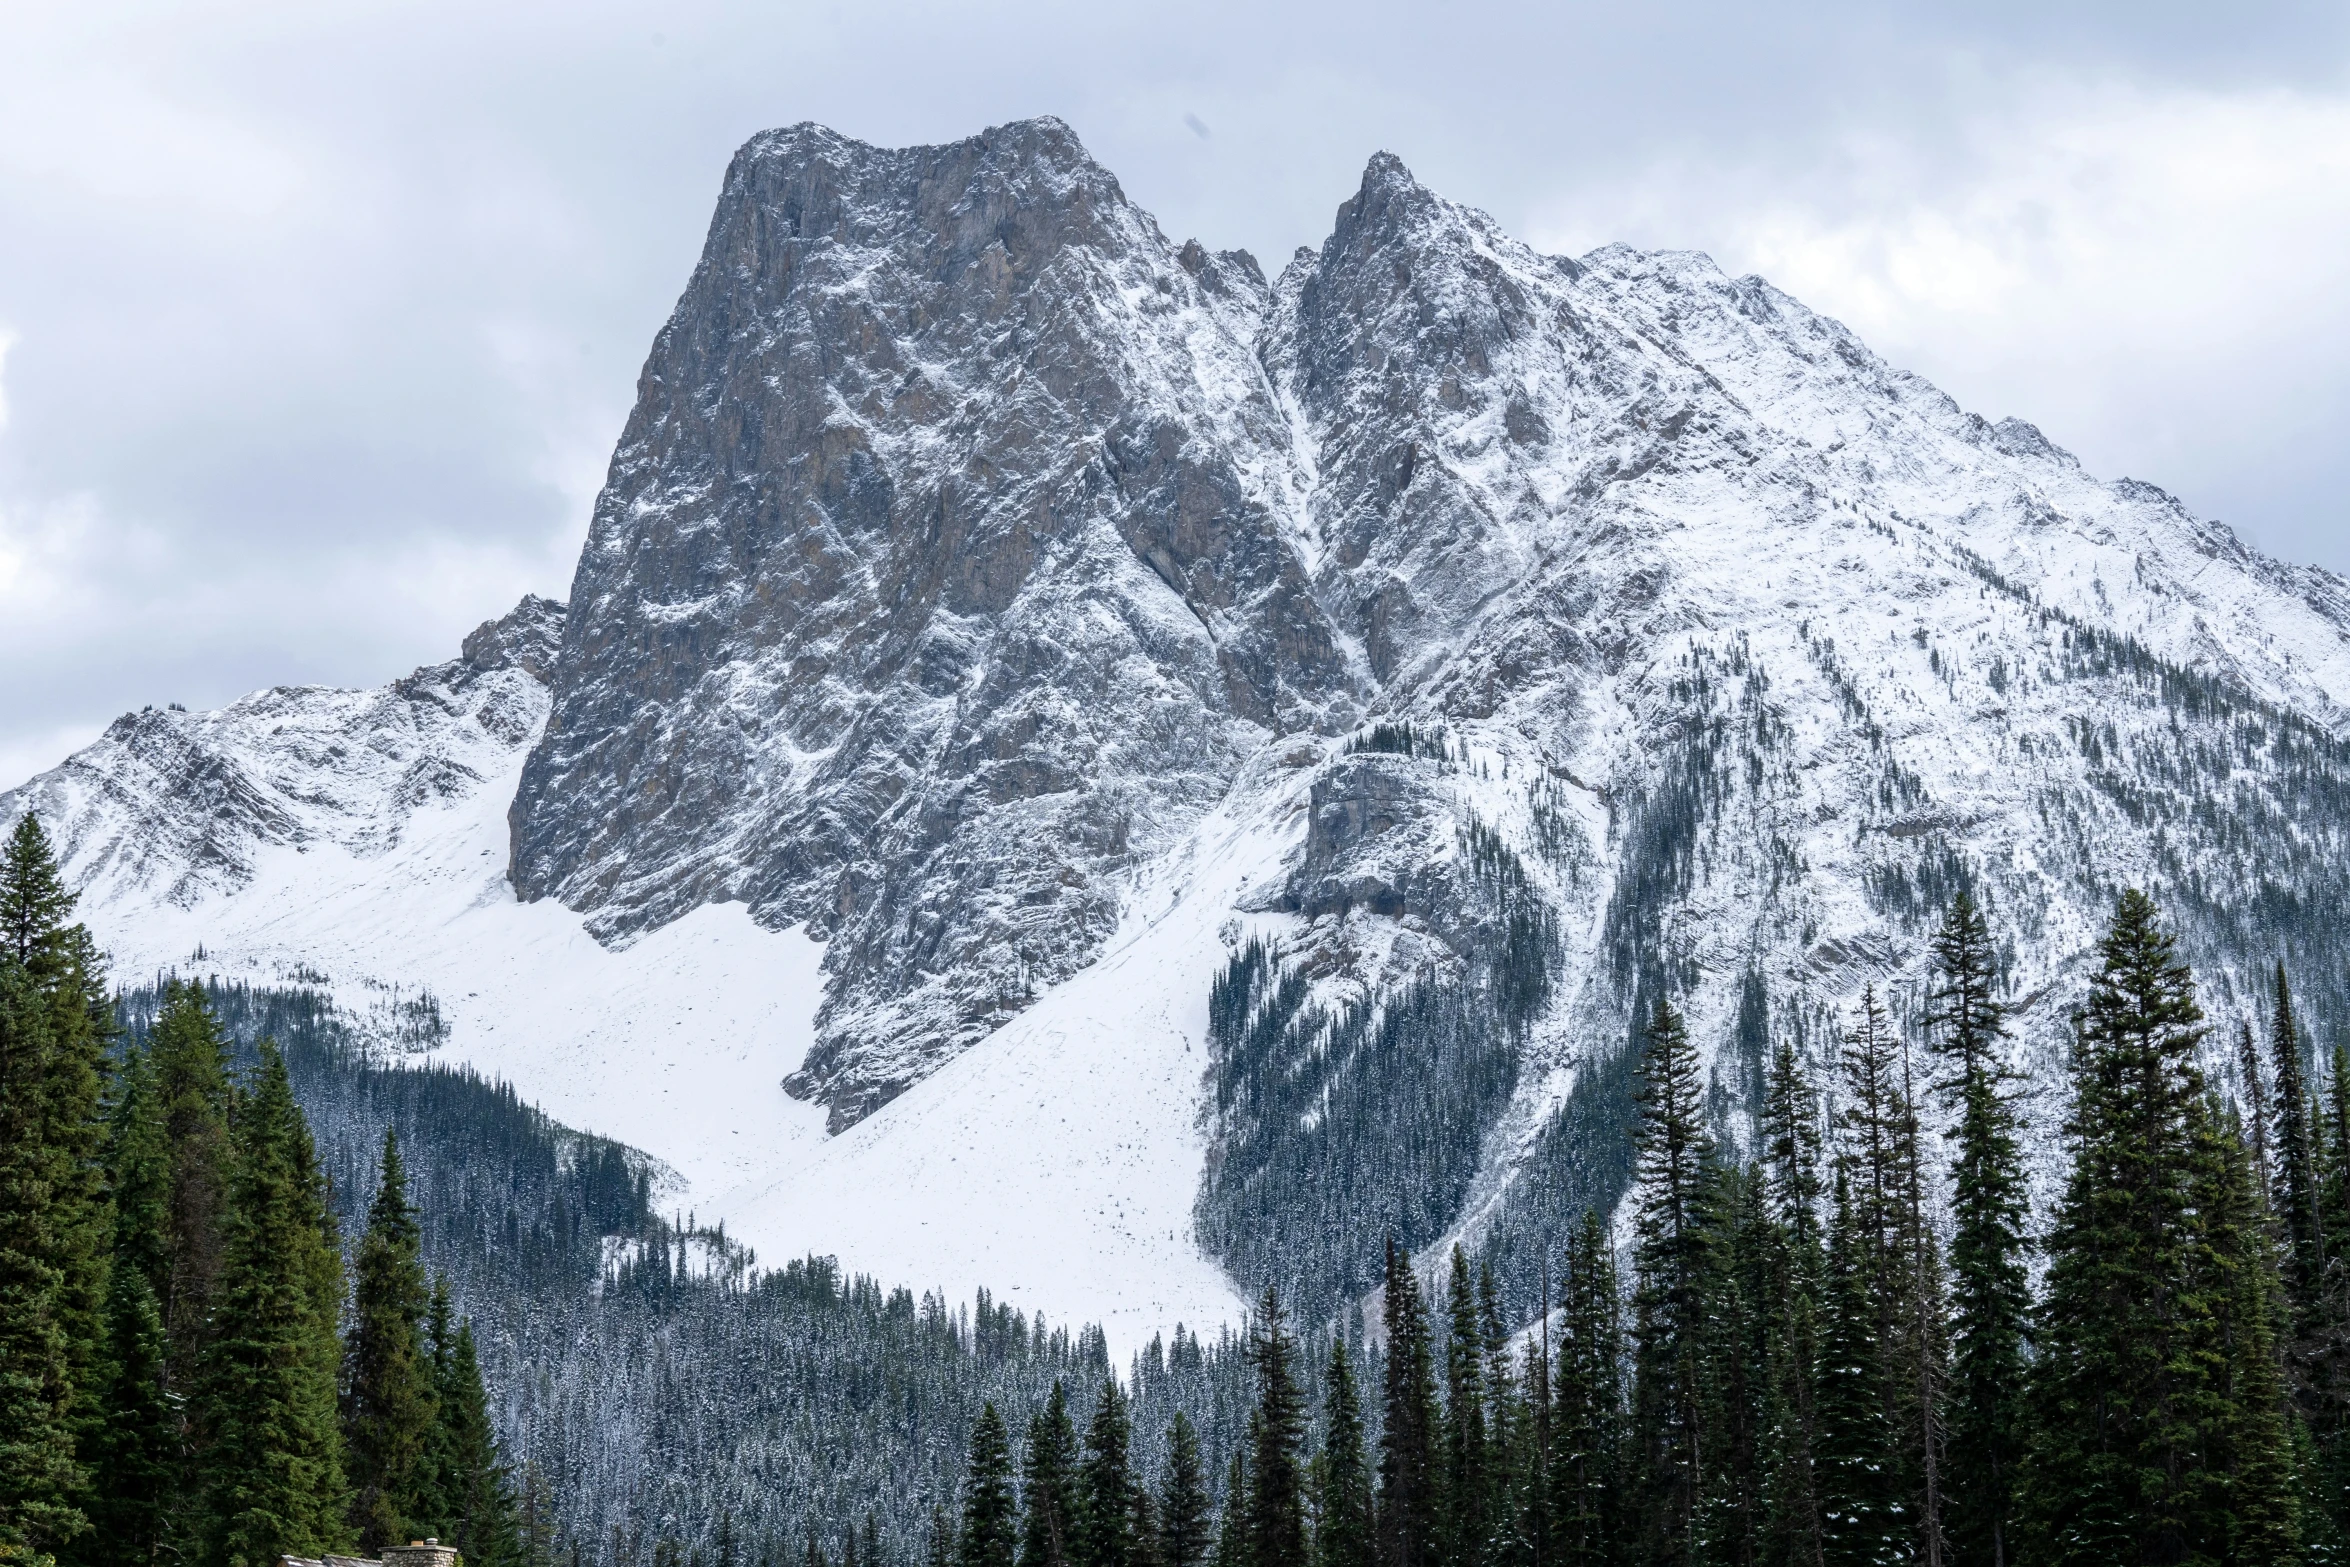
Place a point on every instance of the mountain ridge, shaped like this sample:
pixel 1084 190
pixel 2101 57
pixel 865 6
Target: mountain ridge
pixel 994 589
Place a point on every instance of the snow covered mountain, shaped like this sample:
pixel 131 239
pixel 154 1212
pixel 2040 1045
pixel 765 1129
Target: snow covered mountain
pixel 1246 749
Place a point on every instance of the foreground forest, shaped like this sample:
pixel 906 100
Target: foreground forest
pixel 1836 1353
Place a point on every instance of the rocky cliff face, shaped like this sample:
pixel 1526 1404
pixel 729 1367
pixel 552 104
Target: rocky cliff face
pixel 969 534
pixel 939 576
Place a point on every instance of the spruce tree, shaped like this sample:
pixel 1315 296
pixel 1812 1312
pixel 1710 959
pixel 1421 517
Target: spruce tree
pixel 1862 1521
pixel 1105 1486
pixel 1232 1540
pixel 1408 1518
pixel 40 1482
pixel 437 1483
pixel 133 1451
pixel 1466 1487
pixel 1183 1503
pixel 2296 1175
pixel 274 1478
pixel 387 1398
pixel 190 1060
pixel 1990 1304
pixel 2128 1403
pixel 1735 1369
pixel 1672 1271
pixel 1277 1493
pixel 477 1503
pixel 1343 1534
pixel 1048 1486
pixel 989 1535
pixel 1589 1513
pixel 1791 1148
pixel 2250 1481
pixel 68 980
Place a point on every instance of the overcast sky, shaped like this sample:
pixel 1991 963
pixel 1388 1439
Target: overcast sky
pixel 318 322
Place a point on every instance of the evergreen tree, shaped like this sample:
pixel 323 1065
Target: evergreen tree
pixel 1277 1493
pixel 1105 1490
pixel 1990 1306
pixel 1183 1504
pixel 1143 1527
pixel 1048 1486
pixel 1672 1272
pixel 1343 1534
pixel 67 980
pixel 938 1546
pixel 2128 1400
pixel 989 1534
pixel 274 1481
pixel 132 1451
pixel 1791 1148
pixel 536 1523
pixel 2296 1176
pixel 2249 1478
pixel 1407 1440
pixel 190 1060
pixel 1735 1370
pixel 1862 1521
pixel 437 1471
pixel 387 1398
pixel 476 1502
pixel 1232 1542
pixel 1589 1516
pixel 1465 1520
pixel 39 1479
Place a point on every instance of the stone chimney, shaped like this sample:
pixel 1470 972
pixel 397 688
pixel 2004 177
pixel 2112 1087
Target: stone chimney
pixel 420 1553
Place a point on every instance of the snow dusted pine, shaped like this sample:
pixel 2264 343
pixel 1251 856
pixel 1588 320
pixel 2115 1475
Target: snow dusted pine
pixel 990 587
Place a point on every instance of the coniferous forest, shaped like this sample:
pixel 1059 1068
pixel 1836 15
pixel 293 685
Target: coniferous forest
pixel 263 1295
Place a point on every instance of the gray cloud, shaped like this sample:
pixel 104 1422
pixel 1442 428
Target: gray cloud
pixel 319 323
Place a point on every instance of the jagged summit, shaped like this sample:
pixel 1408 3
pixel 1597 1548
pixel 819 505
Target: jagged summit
pixel 1051 618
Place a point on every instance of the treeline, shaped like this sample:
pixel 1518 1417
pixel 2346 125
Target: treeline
pixel 1830 1354
pixel 184 1375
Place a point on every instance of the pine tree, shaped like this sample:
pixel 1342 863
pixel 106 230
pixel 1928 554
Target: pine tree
pixel 1791 1147
pixel 536 1522
pixel 1048 1486
pixel 938 1549
pixel 190 1060
pixel 133 1451
pixel 2297 1180
pixel 39 1479
pixel 2126 1397
pixel 1672 1272
pixel 68 980
pixel 1277 1493
pixel 1466 1486
pixel 437 1482
pixel 273 1480
pixel 1862 1521
pixel 1183 1503
pixel 1589 1516
pixel 1735 1370
pixel 33 901
pixel 1343 1534
pixel 387 1397
pixel 1990 1304
pixel 1407 1440
pixel 1105 1486
pixel 477 1503
pixel 989 1536
pixel 1232 1543
pixel 55 1218
pixel 2250 1483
